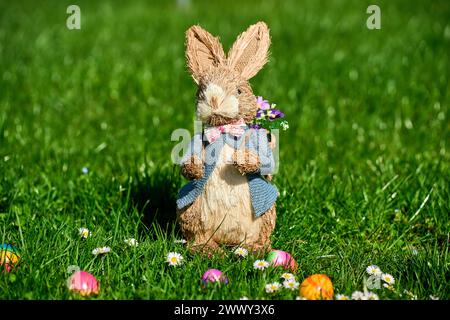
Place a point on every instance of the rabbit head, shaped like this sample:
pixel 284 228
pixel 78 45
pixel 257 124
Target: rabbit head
pixel 224 94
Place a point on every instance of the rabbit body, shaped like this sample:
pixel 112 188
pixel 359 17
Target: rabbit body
pixel 226 204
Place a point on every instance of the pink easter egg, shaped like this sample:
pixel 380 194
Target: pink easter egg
pixel 281 258
pixel 214 275
pixel 84 283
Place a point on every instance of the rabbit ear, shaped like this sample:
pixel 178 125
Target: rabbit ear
pixel 250 50
pixel 203 51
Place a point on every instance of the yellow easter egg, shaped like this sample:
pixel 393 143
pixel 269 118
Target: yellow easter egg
pixel 317 287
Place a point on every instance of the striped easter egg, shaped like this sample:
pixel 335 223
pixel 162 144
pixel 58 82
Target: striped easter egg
pixel 282 258
pixel 9 257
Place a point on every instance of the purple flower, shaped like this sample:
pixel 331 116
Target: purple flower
pixel 275 114
pixel 255 126
pixel 259 114
pixel 262 104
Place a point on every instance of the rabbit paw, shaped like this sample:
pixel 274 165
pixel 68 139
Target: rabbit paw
pixel 246 161
pixel 192 169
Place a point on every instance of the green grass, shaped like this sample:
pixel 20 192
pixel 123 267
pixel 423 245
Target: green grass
pixel 368 143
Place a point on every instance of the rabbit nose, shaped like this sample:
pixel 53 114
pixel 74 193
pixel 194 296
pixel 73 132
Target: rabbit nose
pixel 214 103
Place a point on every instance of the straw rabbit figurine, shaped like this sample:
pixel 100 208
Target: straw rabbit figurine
pixel 228 201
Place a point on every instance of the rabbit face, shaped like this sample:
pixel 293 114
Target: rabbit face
pixel 224 94
pixel 223 97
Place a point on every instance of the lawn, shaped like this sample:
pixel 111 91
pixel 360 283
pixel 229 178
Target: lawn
pixel 86 118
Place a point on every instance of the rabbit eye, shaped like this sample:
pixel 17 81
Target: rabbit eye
pixel 239 91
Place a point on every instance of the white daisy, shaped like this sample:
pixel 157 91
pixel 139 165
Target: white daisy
pixel 372 296
pixel 284 125
pixel 84 233
pixel 358 295
pixel 272 287
pixel 131 242
pixel 291 284
pixel 101 250
pixel 342 297
pixel 411 295
pixel 373 270
pixel 413 250
pixel 288 276
pixel 182 241
pixel 389 279
pixel 243 298
pixel 388 286
pixel 241 252
pixel 174 259
pixel 260 264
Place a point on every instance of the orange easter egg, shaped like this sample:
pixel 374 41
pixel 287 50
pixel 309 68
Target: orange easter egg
pixel 317 287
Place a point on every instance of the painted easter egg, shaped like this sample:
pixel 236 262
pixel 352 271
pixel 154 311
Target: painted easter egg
pixel 9 257
pixel 83 283
pixel 281 258
pixel 317 287
pixel 214 275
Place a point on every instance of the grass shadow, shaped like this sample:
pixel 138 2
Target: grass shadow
pixel 154 196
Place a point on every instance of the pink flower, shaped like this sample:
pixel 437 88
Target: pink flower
pixel 262 104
